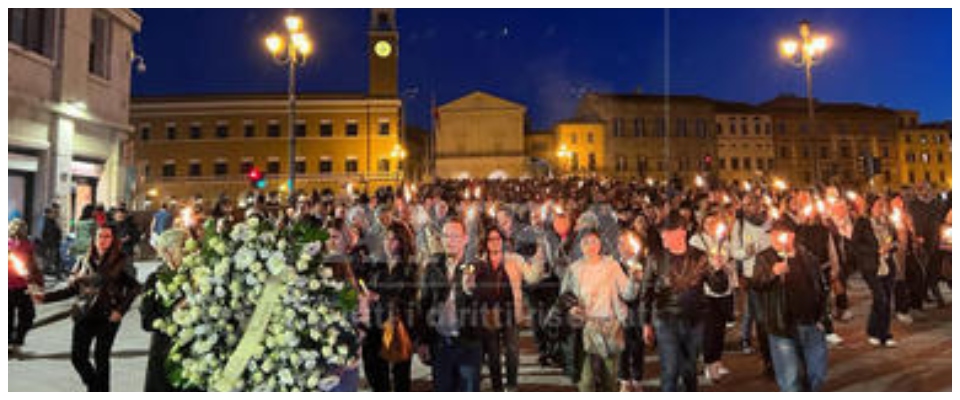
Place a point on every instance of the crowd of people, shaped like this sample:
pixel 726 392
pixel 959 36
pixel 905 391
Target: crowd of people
pixel 602 271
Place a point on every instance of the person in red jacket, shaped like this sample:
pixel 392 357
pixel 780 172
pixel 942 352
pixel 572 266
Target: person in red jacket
pixel 23 277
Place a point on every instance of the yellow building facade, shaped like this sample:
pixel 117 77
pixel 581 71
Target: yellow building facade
pixel 481 136
pixel 580 147
pixel 207 145
pixel 924 152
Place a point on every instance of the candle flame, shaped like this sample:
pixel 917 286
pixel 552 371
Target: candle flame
pixel 698 181
pixel 807 210
pixel 782 238
pixel 821 208
pixel 476 192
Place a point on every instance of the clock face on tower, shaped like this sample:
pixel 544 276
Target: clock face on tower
pixel 382 48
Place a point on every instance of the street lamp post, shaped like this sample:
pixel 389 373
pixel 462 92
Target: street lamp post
pixel 806 53
pixel 291 51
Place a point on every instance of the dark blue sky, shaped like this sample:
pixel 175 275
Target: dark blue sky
pixel 544 57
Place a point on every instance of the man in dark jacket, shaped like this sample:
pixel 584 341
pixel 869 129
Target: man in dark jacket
pixel 50 240
pixel 927 213
pixel 448 332
pixel 673 304
pixel 787 277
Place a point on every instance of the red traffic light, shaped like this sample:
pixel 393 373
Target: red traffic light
pixel 254 174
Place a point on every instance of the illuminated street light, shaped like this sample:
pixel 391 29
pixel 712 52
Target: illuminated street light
pixel 298 46
pixel 805 53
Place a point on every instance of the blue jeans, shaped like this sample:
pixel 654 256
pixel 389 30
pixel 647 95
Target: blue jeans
pixel 878 324
pixel 457 366
pixel 749 316
pixel 807 349
pixel 678 342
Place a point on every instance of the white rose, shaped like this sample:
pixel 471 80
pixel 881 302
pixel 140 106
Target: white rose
pixel 326 273
pixel 314 285
pixel 326 351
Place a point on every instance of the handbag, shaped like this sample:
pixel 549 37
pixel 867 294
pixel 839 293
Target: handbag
pixel 397 346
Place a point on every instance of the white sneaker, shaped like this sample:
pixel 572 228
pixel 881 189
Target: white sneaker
pixel 904 318
pixel 847 315
pixel 834 339
pixel 874 341
pixel 890 343
pixel 723 370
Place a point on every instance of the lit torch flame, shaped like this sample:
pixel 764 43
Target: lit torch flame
pixel 808 211
pixel 948 235
pixel 895 217
pixel 635 244
pixel 782 238
pixel 721 230
pixel 18 266
pixel 187 217
pixel 851 195
pixel 821 208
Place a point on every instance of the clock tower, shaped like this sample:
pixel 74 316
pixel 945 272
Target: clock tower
pixel 382 49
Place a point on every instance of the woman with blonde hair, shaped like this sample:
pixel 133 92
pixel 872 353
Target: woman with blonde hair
pixel 154 307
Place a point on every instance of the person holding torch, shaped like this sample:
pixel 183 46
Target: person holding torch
pixel 23 279
pixel 791 298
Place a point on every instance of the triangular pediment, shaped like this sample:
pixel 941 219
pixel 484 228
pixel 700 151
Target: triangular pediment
pixel 479 100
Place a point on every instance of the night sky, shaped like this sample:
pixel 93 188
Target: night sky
pixel 546 58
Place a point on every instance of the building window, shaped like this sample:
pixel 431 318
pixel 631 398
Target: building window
pixel 223 131
pixel 621 163
pixel 701 128
pixel 769 164
pixel 722 163
pixel 573 138
pixel 910 158
pixel 617 122
pixel 326 166
pixel 906 138
pixel 169 170
pixel 31 29
pixel 681 127
pixel 220 168
pixel 301 166
pixel 352 129
pixel 99 61
pixel 589 137
pixel 756 126
pixel 575 161
pixel 767 128
pixel 383 165
pixel 746 163
pixel 249 130
pixel 913 178
pixel 923 140
pixel 326 129
pixel 273 129
pixel 246 166
pixel 926 176
pixel 637 128
pixel 384 128
pixel 734 163
pixel 145 133
pixel 195 132
pixel 273 167
pixel 195 168
pixel 940 157
pixel 592 162
pixel 171 132
pixel 661 127
pixel 300 129
pixel 351 166
pixel 146 170
pixel 783 152
pixel 943 176
pixel 824 152
pixel 719 129
pixel 844 152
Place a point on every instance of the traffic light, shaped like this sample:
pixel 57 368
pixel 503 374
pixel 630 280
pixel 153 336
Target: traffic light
pixel 256 178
